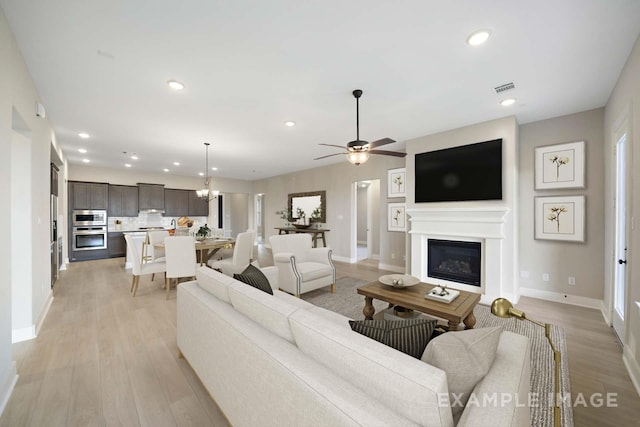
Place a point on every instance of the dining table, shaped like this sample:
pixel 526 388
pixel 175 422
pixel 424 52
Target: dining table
pixel 207 248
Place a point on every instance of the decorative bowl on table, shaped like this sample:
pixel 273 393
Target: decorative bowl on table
pixel 302 225
pixel 399 281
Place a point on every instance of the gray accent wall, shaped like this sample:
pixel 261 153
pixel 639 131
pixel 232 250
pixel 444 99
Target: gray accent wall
pixel 584 261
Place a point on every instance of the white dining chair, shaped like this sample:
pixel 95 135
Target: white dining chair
pixel 156 254
pixel 180 255
pixel 242 253
pixel 139 268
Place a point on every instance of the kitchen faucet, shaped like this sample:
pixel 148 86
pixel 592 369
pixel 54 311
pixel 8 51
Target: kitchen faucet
pixel 173 223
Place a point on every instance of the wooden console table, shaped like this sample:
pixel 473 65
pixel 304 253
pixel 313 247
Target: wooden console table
pixel 316 233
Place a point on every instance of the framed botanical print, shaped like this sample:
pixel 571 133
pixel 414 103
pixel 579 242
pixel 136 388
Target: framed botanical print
pixel 560 166
pixel 396 181
pixel 396 217
pixel 560 218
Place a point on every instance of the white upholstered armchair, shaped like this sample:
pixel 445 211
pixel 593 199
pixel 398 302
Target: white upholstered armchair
pixel 301 268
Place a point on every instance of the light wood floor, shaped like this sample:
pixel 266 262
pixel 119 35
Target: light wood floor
pixel 104 358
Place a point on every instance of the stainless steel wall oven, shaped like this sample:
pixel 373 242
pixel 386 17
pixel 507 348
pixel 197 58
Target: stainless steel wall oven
pixel 89 230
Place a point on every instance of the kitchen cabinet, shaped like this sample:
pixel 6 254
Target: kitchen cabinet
pixel 150 196
pixel 88 195
pixel 123 200
pixel 116 245
pixel 197 206
pixel 176 202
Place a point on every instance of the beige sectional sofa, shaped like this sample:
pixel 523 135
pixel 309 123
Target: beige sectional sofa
pixel 276 360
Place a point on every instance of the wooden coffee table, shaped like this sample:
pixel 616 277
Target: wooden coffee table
pixel 459 310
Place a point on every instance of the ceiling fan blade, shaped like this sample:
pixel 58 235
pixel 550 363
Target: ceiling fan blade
pixel 388 153
pixel 329 155
pixel 380 142
pixel 332 145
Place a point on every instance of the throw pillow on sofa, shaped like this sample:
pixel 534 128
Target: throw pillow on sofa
pixel 408 336
pixel 254 277
pixel 466 356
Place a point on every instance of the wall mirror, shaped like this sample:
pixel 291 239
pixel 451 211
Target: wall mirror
pixel 308 203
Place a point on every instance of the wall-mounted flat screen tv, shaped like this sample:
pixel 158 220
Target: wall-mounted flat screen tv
pixel 465 173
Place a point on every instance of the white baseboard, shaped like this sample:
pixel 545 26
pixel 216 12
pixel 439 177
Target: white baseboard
pixel 7 387
pixel 44 312
pixel 63 266
pixel 375 256
pixel 563 298
pixel 344 259
pixel 632 367
pixel 23 334
pixel 606 314
pixel 396 268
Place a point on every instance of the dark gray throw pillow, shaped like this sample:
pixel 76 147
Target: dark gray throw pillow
pixel 254 277
pixel 409 336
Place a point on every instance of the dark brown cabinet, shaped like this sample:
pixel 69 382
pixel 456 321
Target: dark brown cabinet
pixel 197 206
pixel 150 196
pixel 88 195
pixel 176 202
pixel 116 244
pixel 123 200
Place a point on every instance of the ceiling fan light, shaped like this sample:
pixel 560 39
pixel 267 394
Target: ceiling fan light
pixel 358 157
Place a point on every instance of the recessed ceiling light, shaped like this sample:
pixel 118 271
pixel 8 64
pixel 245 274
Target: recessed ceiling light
pixel 507 102
pixel 214 168
pixel 175 85
pixel 290 124
pixel 134 157
pixel 127 165
pixel 201 173
pixel 82 150
pixel 478 37
pixel 84 135
pixel 176 163
pixel 165 170
pixel 86 160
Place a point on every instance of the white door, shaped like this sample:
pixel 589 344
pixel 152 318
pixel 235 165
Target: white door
pixel 620 276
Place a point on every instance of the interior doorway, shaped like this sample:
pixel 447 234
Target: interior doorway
pixel 622 191
pixel 260 218
pixel 366 239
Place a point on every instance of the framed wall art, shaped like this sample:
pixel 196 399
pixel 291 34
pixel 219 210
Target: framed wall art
pixel 396 217
pixel 560 166
pixel 396 181
pixel 560 218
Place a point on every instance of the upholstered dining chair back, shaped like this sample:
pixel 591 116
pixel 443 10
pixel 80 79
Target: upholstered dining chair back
pixel 180 254
pixel 137 267
pixel 156 237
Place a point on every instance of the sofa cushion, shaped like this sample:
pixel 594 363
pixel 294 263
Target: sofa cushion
pixel 404 384
pixel 298 302
pixel 310 270
pixel 409 336
pixel 266 310
pixel 466 356
pixel 214 282
pixel 254 277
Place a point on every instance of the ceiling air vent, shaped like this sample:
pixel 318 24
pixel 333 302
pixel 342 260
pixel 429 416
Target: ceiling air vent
pixel 504 88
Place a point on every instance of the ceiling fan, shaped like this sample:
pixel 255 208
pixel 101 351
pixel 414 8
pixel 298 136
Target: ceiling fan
pixel 358 151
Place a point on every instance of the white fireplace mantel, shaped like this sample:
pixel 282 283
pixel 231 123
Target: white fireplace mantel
pixel 488 225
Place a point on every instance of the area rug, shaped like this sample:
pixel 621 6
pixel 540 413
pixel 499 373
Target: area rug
pixel 347 302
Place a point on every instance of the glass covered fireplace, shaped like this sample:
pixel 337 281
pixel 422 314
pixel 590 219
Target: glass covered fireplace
pixel 455 261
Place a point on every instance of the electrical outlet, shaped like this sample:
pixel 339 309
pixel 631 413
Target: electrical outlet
pixel 545 277
pixel 571 280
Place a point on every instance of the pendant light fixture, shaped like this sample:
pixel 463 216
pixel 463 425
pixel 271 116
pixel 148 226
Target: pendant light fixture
pixel 206 194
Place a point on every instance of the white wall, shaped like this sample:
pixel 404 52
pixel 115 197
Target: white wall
pixel 625 99
pixel 18 92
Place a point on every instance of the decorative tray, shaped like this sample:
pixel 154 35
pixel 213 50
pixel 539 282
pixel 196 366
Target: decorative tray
pixel 398 281
pixel 441 294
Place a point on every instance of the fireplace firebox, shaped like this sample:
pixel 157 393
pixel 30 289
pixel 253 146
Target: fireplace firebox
pixel 455 261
